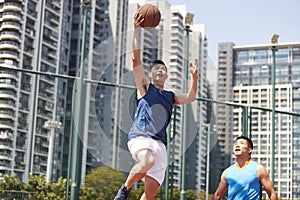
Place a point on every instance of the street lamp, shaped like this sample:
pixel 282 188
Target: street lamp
pixel 274 39
pixel 207 131
pixel 274 42
pixel 78 99
pixel 51 124
pixel 188 21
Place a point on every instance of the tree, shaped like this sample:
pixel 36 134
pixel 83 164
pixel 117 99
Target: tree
pixel 41 189
pixel 54 191
pixel 87 193
pixel 59 188
pixel 191 195
pixel 105 182
pixel 100 184
pixel 11 183
pixel 12 188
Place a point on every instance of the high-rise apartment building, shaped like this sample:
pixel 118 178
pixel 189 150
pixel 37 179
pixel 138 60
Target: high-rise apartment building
pixel 252 85
pixel 106 36
pixel 34 36
pixel 222 149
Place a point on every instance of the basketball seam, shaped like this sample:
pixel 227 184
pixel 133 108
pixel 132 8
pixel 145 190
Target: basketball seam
pixel 154 18
pixel 147 12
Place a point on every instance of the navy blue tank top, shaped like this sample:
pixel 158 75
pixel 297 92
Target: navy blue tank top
pixel 153 114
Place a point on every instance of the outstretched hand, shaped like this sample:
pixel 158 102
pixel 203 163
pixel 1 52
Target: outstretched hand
pixel 138 19
pixel 194 69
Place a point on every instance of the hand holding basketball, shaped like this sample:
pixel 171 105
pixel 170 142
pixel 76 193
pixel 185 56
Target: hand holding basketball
pixel 138 19
pixel 150 14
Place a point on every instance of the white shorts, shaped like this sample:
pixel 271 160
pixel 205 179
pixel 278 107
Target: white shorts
pixel 158 149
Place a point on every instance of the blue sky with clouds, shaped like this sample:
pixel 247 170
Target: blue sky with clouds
pixel 245 22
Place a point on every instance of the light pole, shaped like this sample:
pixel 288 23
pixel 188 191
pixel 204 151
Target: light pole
pixel 207 131
pixel 274 41
pixel 51 125
pixel 78 99
pixel 188 21
pixel 207 161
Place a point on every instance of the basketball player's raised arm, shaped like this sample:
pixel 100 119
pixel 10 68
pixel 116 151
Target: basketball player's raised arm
pixel 141 80
pixel 182 98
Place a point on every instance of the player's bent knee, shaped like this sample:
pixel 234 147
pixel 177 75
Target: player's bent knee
pixel 146 158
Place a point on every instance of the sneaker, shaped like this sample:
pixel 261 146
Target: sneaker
pixel 122 193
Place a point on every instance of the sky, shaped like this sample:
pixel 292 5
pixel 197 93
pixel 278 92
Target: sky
pixel 245 22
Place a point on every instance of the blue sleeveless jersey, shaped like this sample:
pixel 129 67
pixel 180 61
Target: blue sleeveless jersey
pixel 153 114
pixel 243 183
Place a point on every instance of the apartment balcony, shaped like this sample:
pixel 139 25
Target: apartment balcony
pixel 5 158
pixel 54 22
pixel 43 162
pixel 7 116
pixel 49 92
pixel 10 25
pixel 148 41
pixel 8 86
pixel 53 6
pixel 9 46
pixel 38 169
pixel 33 14
pixel 4 168
pixel 20 167
pixel 10 35
pixel 14 7
pixel 47 79
pixel 52 55
pixel 8 75
pixel 6 125
pixel 4 64
pixel 8 95
pixel 49 59
pixel 176 41
pixel 11 17
pixel 6 144
pixel 21 148
pixel 9 122
pixel 45 144
pixel 9 55
pixel 56 5
pixel 41 152
pixel 5 163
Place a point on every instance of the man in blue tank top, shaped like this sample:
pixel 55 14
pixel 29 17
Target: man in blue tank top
pixel 147 136
pixel 244 178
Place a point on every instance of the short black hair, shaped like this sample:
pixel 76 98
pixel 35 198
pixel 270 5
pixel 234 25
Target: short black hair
pixel 155 62
pixel 250 143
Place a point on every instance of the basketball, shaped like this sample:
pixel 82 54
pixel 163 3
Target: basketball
pixel 151 15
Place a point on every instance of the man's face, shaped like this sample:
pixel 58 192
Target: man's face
pixel 158 72
pixel 241 147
